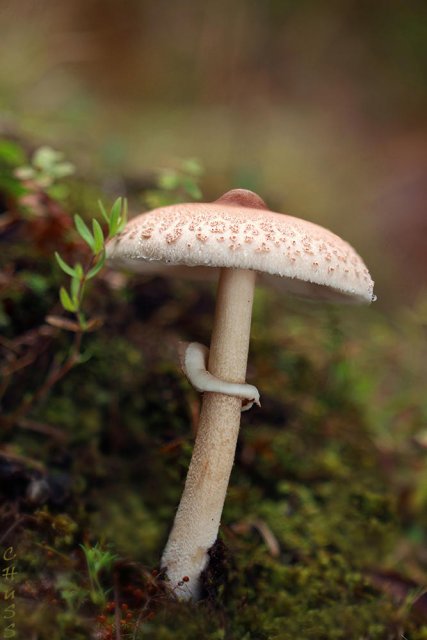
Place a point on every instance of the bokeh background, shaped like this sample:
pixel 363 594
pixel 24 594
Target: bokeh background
pixel 320 106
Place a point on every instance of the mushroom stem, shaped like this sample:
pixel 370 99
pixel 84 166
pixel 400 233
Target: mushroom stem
pixel 197 520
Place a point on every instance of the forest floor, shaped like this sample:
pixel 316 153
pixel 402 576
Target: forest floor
pixel 323 535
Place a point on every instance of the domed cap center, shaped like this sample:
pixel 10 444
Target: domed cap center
pixel 243 198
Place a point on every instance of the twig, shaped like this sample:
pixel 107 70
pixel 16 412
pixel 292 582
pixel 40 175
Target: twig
pixel 16 362
pixel 40 427
pixel 264 531
pixel 140 618
pixel 20 363
pixel 268 536
pixel 9 345
pixel 60 372
pixel 12 528
pixel 56 374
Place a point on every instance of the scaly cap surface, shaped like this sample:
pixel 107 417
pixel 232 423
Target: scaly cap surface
pixel 238 231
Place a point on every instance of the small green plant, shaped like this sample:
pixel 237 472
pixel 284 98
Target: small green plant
pixel 71 592
pixel 47 166
pixel 176 185
pixel 11 156
pixel 98 561
pixel 72 300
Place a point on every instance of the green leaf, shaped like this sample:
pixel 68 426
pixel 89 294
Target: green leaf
pixel 82 321
pixel 155 199
pixel 75 291
pixel 193 167
pixel 79 270
pixel 103 212
pixel 97 268
pixel 64 266
pixel 115 216
pixel 62 169
pixel 12 186
pixel 58 191
pixel 84 232
pixel 66 300
pixel 124 216
pixel 168 180
pixel 85 357
pixel 11 153
pixel 45 157
pixel 98 236
pixel 192 188
pixel 35 281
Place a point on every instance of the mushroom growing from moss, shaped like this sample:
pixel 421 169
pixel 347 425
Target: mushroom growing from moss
pixel 238 235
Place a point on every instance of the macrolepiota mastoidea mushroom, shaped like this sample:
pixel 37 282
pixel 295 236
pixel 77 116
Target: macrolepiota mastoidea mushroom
pixel 238 235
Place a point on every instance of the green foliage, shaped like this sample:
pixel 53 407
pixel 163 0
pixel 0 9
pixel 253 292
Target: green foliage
pixel 98 561
pixel 176 185
pixel 44 173
pixel 116 219
pixel 47 167
pixel 72 592
pixel 11 156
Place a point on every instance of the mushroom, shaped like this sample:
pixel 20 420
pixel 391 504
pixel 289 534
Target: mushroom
pixel 238 235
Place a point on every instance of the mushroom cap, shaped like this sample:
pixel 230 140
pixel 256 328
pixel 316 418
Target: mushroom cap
pixel 238 231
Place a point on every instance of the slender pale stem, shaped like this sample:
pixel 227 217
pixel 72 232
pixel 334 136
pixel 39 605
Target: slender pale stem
pixel 199 513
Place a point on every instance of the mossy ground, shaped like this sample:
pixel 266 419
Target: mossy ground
pixel 324 523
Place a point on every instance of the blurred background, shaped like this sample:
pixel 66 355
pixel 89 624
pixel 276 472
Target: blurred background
pixel 321 107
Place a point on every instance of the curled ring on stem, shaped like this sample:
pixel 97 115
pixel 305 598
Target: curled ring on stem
pixel 194 360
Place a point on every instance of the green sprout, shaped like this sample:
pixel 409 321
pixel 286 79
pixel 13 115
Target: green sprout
pixel 98 561
pixel 71 592
pixel 47 166
pixel 11 156
pixel 176 185
pixel 72 299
